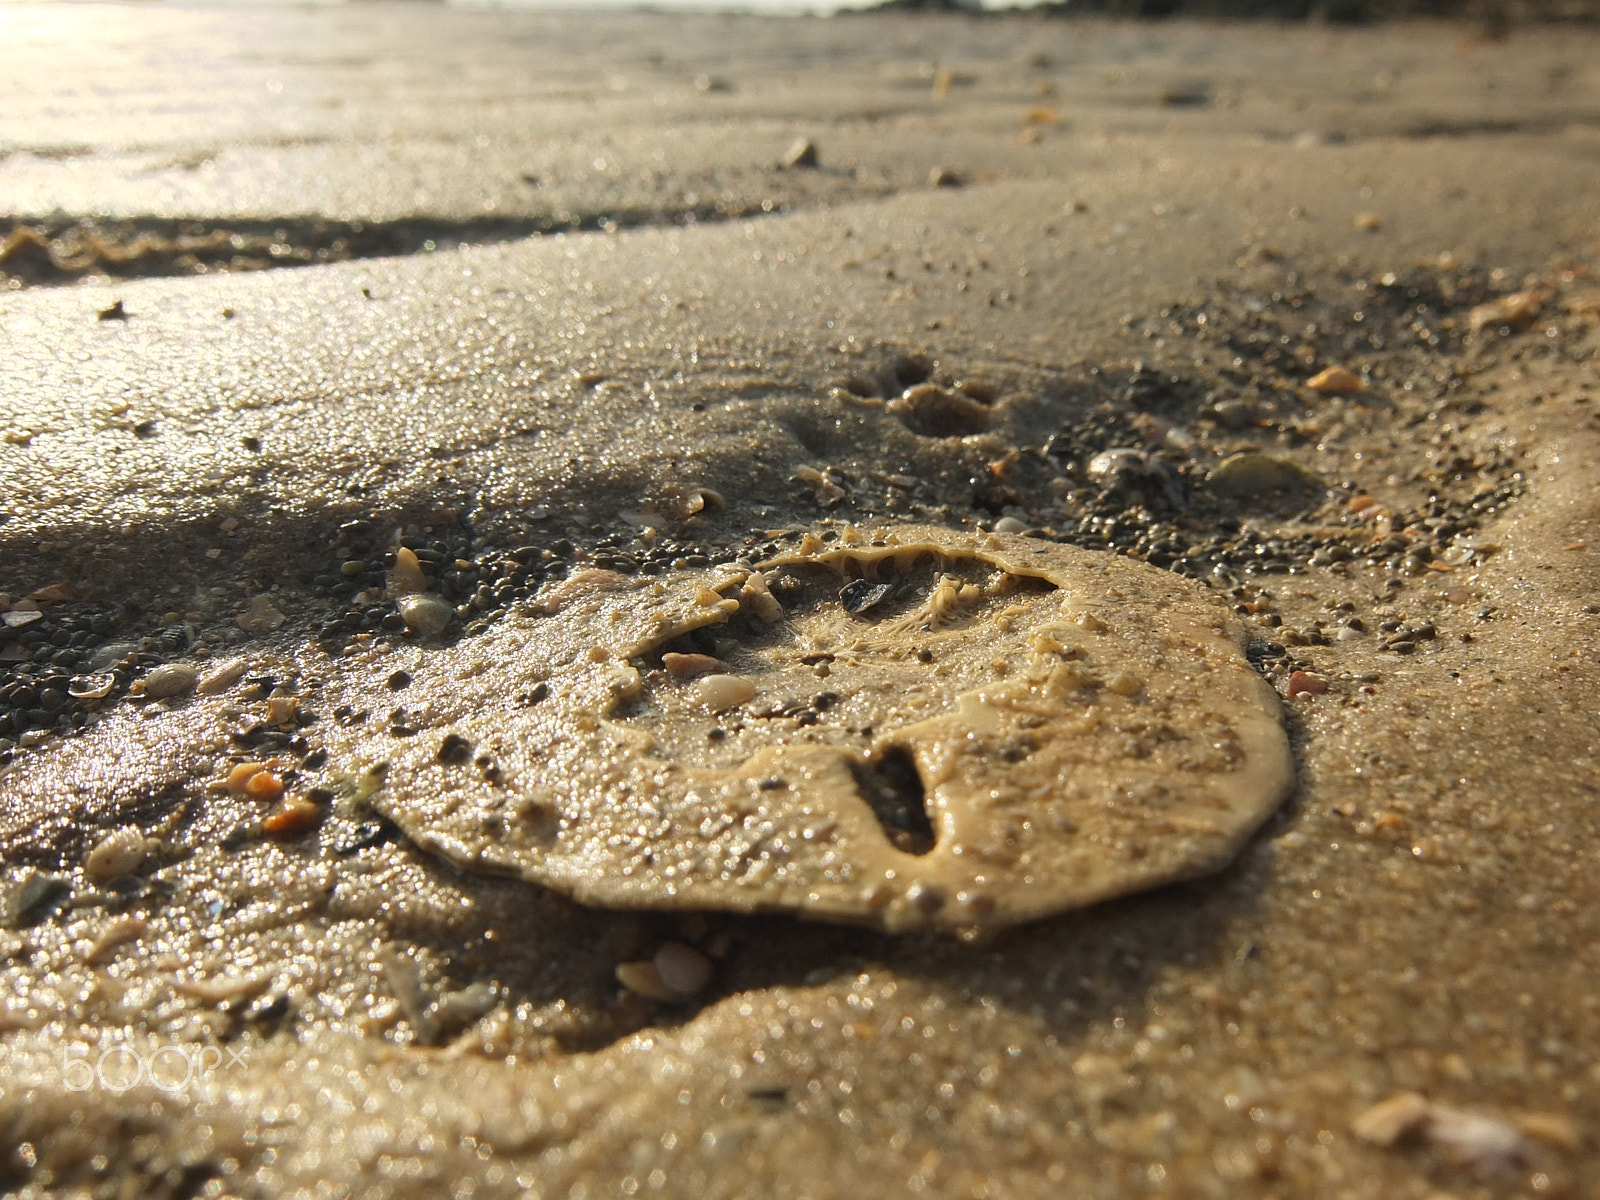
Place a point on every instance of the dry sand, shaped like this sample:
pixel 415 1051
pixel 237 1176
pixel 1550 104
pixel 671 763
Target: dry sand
pixel 1145 237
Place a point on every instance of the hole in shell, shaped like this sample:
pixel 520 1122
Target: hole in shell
pixel 892 788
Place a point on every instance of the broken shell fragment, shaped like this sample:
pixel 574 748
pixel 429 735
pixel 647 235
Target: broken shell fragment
pixel 1021 727
pixel 406 576
pixel 91 687
pixel 222 677
pixel 1516 311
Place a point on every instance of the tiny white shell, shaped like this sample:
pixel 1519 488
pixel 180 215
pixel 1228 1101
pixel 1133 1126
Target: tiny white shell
pixel 119 853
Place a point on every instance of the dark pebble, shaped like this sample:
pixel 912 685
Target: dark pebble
pixel 859 595
pixel 455 749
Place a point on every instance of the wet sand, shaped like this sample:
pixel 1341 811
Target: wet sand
pixel 1123 237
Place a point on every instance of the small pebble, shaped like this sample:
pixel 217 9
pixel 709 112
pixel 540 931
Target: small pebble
pixel 689 666
pixel 261 616
pixel 802 153
pixel 682 969
pixel 292 818
pixel 1303 684
pixel 426 614
pixel 722 692
pixel 860 595
pixel 407 576
pixel 264 785
pixel 1009 525
pixel 1253 474
pixel 1336 381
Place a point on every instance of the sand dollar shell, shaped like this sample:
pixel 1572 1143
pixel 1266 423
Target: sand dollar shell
pixel 1013 729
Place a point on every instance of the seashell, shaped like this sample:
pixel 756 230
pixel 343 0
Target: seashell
pixel 119 853
pixel 91 687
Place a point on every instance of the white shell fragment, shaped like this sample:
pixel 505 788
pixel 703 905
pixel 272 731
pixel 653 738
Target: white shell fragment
pixel 1015 729
pixel 222 677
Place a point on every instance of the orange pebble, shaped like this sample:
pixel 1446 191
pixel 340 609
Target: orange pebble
pixel 264 785
pixel 1302 684
pixel 294 816
pixel 242 774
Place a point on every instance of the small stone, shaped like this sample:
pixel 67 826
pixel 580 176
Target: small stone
pixel 1336 381
pixel 426 614
pixel 173 679
pixel 261 616
pixel 1302 683
pixel 722 692
pixel 643 979
pixel 1009 525
pixel 802 154
pixel 1254 474
pixel 33 898
pixel 1368 222
pixel 1517 311
pixel 264 785
pixel 407 576
pixel 944 177
pixel 682 969
pixel 1387 1122
pixel 861 595
pixel 690 666
pixel 293 817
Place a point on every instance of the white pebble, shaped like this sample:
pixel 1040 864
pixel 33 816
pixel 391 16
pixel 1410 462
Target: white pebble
pixel 722 692
pixel 643 979
pixel 426 614
pixel 1009 525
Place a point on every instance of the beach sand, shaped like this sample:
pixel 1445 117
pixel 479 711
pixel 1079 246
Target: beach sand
pixel 602 327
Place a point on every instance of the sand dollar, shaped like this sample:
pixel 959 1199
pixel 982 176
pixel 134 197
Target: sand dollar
pixel 1009 729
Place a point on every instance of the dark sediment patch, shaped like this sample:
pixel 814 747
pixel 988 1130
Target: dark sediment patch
pixel 55 250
